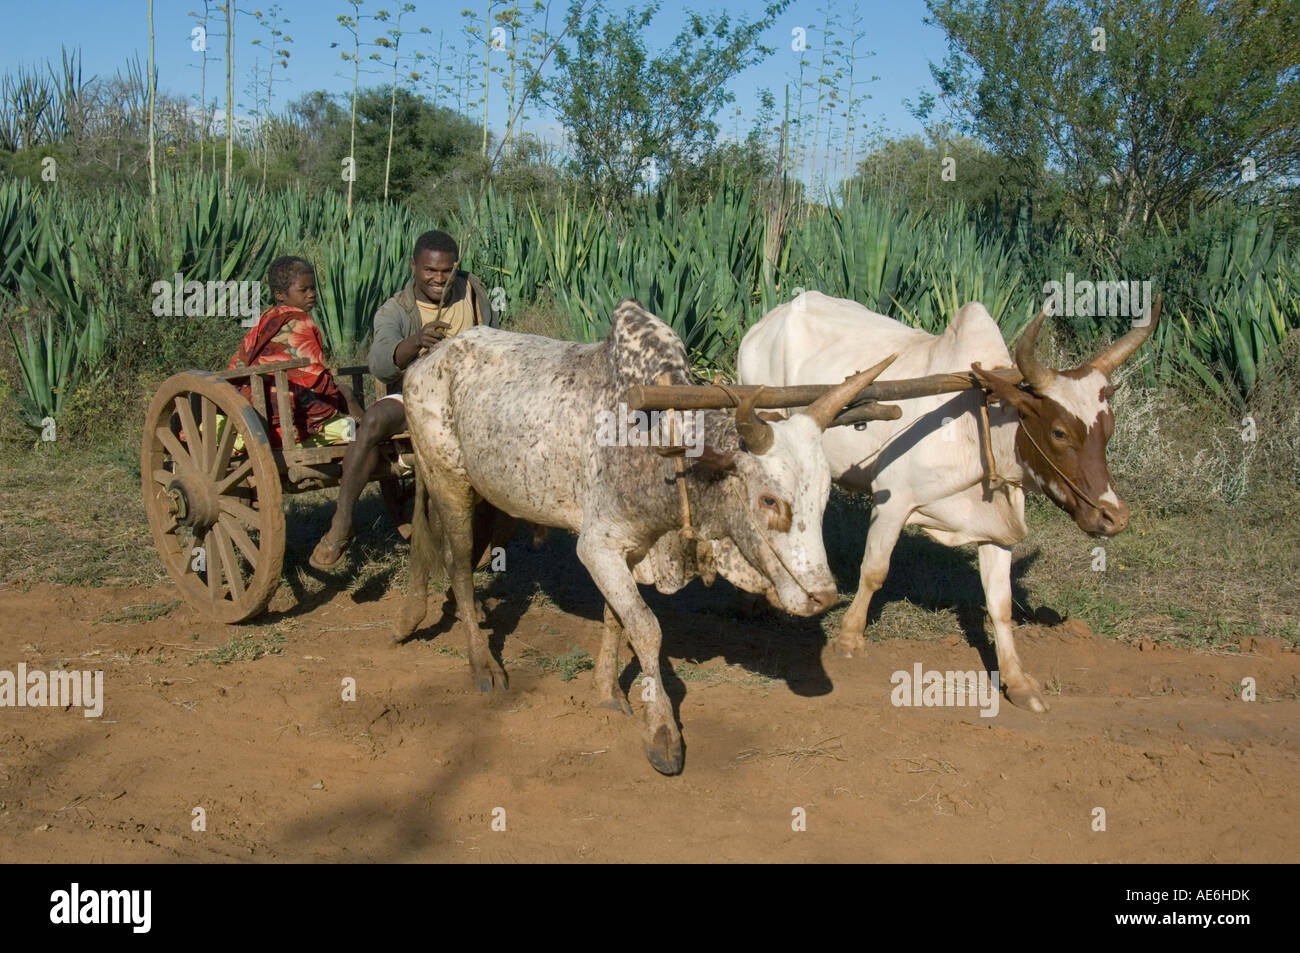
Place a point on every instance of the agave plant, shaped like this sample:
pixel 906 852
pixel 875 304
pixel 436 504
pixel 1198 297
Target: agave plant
pixel 214 237
pixel 1245 303
pixel 361 268
pixel 47 363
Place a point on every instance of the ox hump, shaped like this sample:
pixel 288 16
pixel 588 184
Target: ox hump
pixel 642 347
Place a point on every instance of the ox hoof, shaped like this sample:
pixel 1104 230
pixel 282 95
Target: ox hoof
pixel 1028 696
pixel 665 752
pixel 491 677
pixel 616 704
pixel 850 645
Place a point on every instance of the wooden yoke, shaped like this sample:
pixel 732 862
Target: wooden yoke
pixel 712 397
pixel 678 454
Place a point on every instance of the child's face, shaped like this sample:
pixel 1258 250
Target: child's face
pixel 301 293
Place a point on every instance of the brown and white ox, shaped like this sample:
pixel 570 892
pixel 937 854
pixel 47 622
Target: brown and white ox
pixel 516 419
pixel 928 467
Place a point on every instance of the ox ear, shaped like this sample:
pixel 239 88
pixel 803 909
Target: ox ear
pixel 1003 389
pixel 771 416
pixel 713 459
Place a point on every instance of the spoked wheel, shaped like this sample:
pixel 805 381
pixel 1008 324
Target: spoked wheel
pixel 214 511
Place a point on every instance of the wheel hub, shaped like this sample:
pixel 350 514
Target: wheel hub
pixel 177 505
pixel 190 506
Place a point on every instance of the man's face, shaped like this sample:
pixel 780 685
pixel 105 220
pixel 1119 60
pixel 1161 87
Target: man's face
pixel 301 293
pixel 432 271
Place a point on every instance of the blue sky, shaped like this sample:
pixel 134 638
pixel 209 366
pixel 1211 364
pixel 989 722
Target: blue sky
pixel 110 31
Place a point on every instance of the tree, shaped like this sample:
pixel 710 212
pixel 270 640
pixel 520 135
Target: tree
pixel 153 95
pixel 909 169
pixel 831 45
pixel 510 19
pixel 277 53
pixel 229 11
pixel 352 23
pixel 1141 105
pixel 626 111
pixel 394 44
pixel 428 143
pixel 434 85
pixel 856 36
pixel 535 51
pixel 199 42
pixel 490 40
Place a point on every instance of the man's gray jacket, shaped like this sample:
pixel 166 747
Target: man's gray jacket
pixel 399 317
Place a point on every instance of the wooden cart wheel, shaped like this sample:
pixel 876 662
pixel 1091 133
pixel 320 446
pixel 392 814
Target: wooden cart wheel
pixel 215 513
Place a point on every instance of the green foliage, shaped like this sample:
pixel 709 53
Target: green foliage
pixel 360 269
pixel 695 267
pixel 568 666
pixel 429 144
pixel 912 170
pixel 919 268
pixel 1136 121
pixel 46 363
pixel 1245 304
pixel 246 647
pixel 75 289
pixel 624 107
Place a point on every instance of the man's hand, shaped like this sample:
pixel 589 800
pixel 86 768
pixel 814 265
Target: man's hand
pixel 427 337
pixel 433 332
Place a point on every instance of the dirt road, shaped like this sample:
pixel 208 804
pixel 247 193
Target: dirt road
pixel 419 766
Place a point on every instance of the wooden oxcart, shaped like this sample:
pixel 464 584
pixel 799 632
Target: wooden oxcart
pixel 217 511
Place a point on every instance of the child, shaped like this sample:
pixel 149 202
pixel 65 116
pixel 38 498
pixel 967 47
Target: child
pixel 286 332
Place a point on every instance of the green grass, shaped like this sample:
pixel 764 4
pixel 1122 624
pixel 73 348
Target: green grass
pixel 134 614
pixel 568 666
pixel 74 516
pixel 246 647
pixel 719 674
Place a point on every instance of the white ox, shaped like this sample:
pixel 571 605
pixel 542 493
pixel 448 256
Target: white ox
pixel 928 467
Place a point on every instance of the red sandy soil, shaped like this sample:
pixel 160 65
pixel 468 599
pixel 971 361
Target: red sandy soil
pixel 414 768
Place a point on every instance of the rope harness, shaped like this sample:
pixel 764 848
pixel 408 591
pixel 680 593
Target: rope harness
pixel 996 480
pixel 704 548
pixel 1068 482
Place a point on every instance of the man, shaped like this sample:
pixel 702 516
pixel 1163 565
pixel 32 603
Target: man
pixel 406 325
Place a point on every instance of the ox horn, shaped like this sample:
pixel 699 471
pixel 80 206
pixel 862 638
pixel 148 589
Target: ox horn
pixel 828 406
pixel 756 432
pixel 1120 351
pixel 1037 374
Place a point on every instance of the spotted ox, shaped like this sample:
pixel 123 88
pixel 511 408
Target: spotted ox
pixel 929 467
pixel 513 419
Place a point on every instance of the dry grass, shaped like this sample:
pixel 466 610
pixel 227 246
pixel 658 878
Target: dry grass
pixel 74 517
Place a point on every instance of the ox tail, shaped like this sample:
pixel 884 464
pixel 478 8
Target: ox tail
pixel 423 558
pixel 426 548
